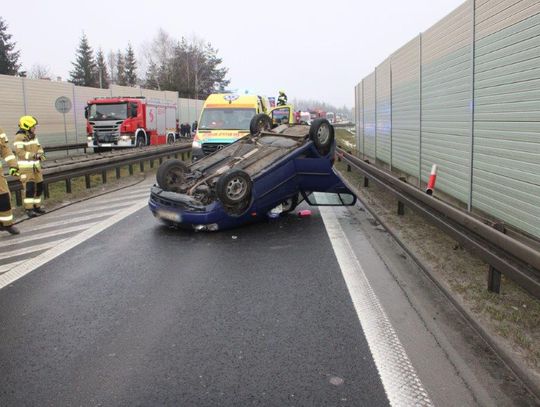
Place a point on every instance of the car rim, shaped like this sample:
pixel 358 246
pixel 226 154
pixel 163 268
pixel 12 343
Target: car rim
pixel 323 134
pixel 174 177
pixel 261 125
pixel 236 189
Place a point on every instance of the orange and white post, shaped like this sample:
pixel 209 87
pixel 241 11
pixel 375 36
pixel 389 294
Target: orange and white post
pixel 432 179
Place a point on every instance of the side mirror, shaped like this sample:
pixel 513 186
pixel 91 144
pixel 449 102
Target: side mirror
pixel 86 112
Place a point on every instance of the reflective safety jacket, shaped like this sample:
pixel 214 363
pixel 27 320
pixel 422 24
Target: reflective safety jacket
pixel 6 153
pixel 27 150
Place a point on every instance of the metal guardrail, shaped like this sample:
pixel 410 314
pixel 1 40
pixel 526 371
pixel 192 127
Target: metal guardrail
pixel 65 147
pixel 506 255
pixel 68 168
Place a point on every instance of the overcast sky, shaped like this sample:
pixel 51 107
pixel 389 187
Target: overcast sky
pixel 311 49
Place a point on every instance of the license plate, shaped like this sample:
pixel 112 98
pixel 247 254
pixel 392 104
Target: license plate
pixel 106 145
pixel 168 215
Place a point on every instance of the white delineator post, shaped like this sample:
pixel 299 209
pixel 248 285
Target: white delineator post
pixel 432 179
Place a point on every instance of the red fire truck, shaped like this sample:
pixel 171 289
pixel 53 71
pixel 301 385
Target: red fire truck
pixel 121 122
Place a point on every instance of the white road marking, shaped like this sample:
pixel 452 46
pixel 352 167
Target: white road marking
pixel 31 249
pixel 32 264
pixel 9 266
pixel 58 223
pixel 64 214
pixel 57 232
pixel 402 385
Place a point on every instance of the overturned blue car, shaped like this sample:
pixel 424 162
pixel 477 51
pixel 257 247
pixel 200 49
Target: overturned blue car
pixel 267 172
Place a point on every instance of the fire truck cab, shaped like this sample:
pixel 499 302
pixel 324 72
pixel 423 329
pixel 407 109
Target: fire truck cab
pixel 120 122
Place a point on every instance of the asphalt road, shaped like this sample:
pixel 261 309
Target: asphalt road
pixel 144 315
pixel 267 314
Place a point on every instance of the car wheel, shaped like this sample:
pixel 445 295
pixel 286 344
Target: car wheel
pixel 234 188
pixel 171 175
pixel 289 204
pixel 321 132
pixel 259 123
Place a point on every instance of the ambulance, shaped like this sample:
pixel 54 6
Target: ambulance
pixel 225 118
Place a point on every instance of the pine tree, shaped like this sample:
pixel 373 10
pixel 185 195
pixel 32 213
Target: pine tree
pixel 130 67
pixel 102 74
pixel 120 69
pixel 84 73
pixel 152 76
pixel 8 57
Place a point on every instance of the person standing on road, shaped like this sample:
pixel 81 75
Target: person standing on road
pixel 30 154
pixel 282 98
pixel 6 214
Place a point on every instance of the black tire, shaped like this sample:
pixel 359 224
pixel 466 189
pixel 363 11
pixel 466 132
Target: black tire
pixel 321 132
pixel 171 175
pixel 98 150
pixel 290 204
pixel 260 122
pixel 170 139
pixel 140 141
pixel 234 188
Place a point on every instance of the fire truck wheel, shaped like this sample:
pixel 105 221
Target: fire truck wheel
pixel 234 188
pixel 140 141
pixel 259 123
pixel 170 139
pixel 171 175
pixel 321 132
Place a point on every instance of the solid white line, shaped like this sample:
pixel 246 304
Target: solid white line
pixel 37 236
pixel 402 385
pixel 9 266
pixel 32 264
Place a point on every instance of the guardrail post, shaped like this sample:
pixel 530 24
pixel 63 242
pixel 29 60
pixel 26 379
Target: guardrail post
pixel 151 163
pixel 87 181
pixel 160 160
pixel 68 185
pixel 366 182
pixel 18 197
pixel 117 169
pixel 175 155
pixel 130 169
pixel 104 176
pixel 46 190
pixel 400 208
pixel 183 158
pixel 494 276
pixel 141 165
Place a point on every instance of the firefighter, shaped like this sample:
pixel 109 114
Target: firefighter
pixel 30 154
pixel 282 98
pixel 6 214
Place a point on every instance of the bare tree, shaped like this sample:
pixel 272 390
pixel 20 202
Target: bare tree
pixel 39 71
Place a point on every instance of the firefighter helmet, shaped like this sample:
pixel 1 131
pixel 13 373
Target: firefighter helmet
pixel 281 92
pixel 27 122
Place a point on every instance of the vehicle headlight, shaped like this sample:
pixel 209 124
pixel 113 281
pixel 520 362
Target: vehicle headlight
pixel 89 138
pixel 196 144
pixel 125 137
